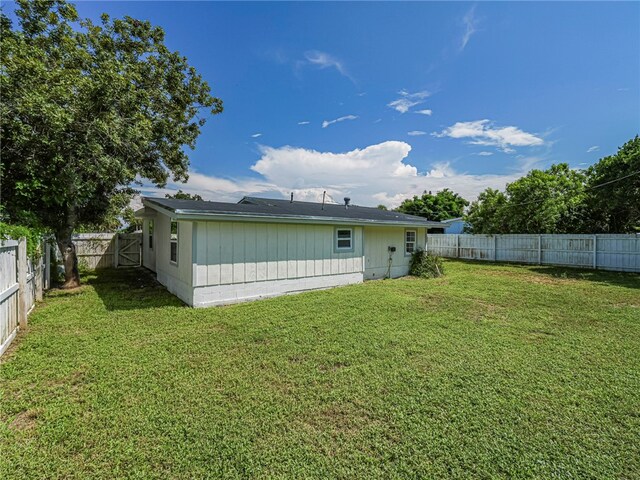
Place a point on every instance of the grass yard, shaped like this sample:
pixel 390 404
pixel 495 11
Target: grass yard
pixel 492 371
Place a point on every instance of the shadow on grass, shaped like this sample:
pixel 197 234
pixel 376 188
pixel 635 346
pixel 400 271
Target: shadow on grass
pixel 130 288
pixel 620 279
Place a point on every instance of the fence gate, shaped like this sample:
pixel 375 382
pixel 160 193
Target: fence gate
pixel 129 253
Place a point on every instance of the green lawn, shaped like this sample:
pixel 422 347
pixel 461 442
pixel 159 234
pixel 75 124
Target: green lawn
pixel 491 371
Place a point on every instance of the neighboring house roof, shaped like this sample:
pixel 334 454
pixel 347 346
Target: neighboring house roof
pixel 452 220
pixel 266 209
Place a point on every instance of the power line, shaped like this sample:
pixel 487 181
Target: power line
pixel 586 188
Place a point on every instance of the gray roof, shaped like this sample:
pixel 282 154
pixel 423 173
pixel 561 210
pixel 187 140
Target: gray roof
pixel 255 207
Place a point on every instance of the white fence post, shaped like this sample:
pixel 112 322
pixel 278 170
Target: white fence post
pixel 595 252
pixel 47 264
pixel 495 248
pixel 458 245
pixel 22 282
pixel 117 251
pixel 539 249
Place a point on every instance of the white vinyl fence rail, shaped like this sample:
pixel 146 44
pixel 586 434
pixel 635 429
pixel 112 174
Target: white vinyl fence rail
pixel 617 252
pixel 22 282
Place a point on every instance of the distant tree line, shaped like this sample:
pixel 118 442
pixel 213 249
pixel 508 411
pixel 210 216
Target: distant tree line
pixel 605 198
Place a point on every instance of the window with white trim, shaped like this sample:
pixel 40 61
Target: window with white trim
pixel 344 239
pixel 150 234
pixel 173 248
pixel 410 237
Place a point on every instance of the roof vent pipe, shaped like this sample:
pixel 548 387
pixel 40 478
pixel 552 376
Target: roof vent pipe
pixel 291 201
pixel 346 202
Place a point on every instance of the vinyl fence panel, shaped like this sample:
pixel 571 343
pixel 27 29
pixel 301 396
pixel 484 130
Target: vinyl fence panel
pixel 618 252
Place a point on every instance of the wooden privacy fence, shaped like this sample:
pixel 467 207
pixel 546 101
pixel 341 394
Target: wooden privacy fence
pixel 100 250
pixel 22 282
pixel 617 252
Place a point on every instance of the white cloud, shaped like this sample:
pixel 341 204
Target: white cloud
pixel 595 148
pixel 372 175
pixel 470 23
pixel 304 123
pixel 483 132
pixel 256 135
pixel 324 60
pixel 485 154
pixel 408 100
pixel 416 133
pixel 326 123
pixel 426 111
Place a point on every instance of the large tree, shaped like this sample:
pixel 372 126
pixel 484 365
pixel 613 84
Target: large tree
pixel 543 201
pixel 547 201
pixel 87 110
pixel 613 190
pixel 488 214
pixel 444 205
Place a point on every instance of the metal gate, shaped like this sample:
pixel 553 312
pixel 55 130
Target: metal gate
pixel 128 248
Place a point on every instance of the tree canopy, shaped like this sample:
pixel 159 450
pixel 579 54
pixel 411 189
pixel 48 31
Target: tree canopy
pixel 603 199
pixel 180 195
pixel 444 205
pixel 87 111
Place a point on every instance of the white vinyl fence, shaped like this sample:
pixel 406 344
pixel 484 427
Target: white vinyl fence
pixel 618 252
pixel 22 282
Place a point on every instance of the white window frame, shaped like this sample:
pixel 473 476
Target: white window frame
pixel 172 240
pixel 408 253
pixel 150 227
pixel 339 249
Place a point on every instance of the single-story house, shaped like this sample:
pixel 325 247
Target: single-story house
pixel 213 253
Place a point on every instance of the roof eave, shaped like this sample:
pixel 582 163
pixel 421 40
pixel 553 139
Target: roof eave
pixel 184 214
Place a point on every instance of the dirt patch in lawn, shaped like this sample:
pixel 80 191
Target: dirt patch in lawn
pixel 24 421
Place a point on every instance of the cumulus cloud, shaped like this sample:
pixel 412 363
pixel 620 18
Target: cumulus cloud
pixel 408 100
pixel 595 148
pixel 425 111
pixel 256 135
pixel 416 133
pixel 375 174
pixel 326 123
pixel 324 60
pixel 470 23
pixel 483 132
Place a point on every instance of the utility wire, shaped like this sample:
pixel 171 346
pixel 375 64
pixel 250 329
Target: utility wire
pixel 587 188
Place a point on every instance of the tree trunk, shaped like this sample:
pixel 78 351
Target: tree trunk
pixel 70 262
pixel 68 252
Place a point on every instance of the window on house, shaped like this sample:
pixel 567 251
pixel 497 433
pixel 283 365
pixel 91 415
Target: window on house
pixel 344 239
pixel 173 255
pixel 409 241
pixel 150 234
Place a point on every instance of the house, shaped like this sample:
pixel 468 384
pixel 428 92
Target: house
pixel 454 225
pixel 213 253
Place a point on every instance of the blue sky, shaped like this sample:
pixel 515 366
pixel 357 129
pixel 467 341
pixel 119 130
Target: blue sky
pixel 413 96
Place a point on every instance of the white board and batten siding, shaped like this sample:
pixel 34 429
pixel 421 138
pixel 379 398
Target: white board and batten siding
pixel 177 276
pixel 617 252
pixel 377 241
pixel 240 261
